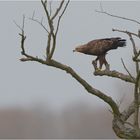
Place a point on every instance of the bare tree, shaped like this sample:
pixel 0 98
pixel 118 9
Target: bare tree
pixel 121 126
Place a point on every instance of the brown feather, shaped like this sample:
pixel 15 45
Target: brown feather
pixel 100 47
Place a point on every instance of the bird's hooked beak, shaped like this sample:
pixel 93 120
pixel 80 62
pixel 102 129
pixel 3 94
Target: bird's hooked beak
pixel 74 50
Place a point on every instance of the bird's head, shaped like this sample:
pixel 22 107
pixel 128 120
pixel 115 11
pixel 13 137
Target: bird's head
pixel 78 49
pixel 75 50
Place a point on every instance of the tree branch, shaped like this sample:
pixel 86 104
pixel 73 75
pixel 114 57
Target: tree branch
pixel 126 32
pixel 133 44
pixel 87 86
pixel 50 49
pixel 51 32
pixel 50 21
pixel 127 70
pixel 130 35
pixel 124 18
pixel 58 23
pixel 40 23
pixel 135 58
pixel 115 74
pixel 58 10
pixel 136 101
pixel 135 52
pixel 23 37
pixel 128 112
pixel 55 34
pixel 50 4
pixel 68 69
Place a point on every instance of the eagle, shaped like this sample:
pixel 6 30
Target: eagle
pixel 99 48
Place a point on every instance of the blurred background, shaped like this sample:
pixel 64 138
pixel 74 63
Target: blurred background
pixel 37 101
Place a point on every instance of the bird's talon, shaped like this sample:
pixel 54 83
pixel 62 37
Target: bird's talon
pixel 97 69
pixel 94 62
pixel 107 68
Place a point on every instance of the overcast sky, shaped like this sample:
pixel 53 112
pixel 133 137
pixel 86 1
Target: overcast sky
pixel 29 83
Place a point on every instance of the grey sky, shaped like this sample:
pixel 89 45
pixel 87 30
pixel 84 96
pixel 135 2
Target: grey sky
pixel 24 84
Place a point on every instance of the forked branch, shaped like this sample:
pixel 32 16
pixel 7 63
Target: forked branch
pixel 40 23
pixel 135 58
pixel 126 32
pixel 51 20
pixel 58 9
pixel 133 45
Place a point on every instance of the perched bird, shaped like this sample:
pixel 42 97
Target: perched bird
pixel 99 48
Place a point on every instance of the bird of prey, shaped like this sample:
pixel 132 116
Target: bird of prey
pixel 99 48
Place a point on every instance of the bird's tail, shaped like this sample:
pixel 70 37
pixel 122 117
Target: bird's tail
pixel 121 42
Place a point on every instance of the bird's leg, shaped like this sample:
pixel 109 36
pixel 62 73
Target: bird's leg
pixel 94 62
pixel 101 62
pixel 106 64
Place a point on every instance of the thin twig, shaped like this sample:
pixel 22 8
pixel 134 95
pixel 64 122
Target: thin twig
pixel 51 33
pixel 40 23
pixel 135 52
pixel 124 18
pixel 125 31
pixel 101 7
pixel 50 3
pixel 133 44
pixel 58 9
pixel 47 14
pixel 127 70
pixel 23 22
pixel 17 25
pixel 130 35
pixel 33 14
pixel 58 23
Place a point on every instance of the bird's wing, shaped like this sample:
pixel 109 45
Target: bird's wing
pixel 100 45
